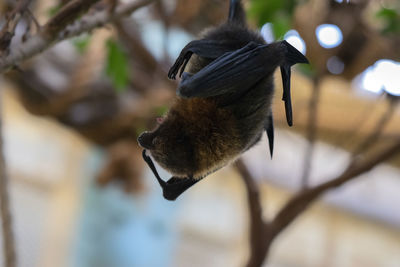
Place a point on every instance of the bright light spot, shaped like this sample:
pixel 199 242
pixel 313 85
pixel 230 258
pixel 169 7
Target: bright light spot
pixel 335 65
pixel 370 81
pixel 390 73
pixel 329 35
pixel 293 38
pixel 383 75
pixel 267 32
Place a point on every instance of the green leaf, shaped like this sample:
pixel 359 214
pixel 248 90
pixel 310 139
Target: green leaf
pixel 162 110
pixel 81 43
pixel 270 11
pixel 53 10
pixel 391 20
pixel 387 13
pixel 117 65
pixel 281 25
pixel 307 69
pixel 140 129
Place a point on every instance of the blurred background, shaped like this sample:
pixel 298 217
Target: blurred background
pixel 82 196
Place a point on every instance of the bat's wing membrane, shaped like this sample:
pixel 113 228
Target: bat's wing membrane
pixel 210 49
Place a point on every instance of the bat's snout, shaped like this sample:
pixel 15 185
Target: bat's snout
pixel 145 140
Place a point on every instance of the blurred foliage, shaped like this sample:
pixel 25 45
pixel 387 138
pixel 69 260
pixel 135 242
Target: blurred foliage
pixel 277 12
pixel 81 43
pixel 53 10
pixel 307 69
pixel 117 65
pixel 391 19
pixel 161 111
pixel 140 128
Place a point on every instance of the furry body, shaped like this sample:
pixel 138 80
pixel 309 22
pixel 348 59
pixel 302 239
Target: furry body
pixel 223 104
pixel 201 135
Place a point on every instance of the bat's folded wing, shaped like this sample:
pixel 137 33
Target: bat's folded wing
pixel 235 71
pixel 210 49
pixel 238 70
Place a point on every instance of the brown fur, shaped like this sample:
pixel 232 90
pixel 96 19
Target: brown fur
pixel 194 134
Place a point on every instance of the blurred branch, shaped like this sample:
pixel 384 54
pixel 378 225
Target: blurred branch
pixel 376 133
pixel 358 124
pixel 262 233
pixel 40 42
pixel 166 20
pixel 302 200
pixel 68 13
pixel 258 246
pixel 6 218
pixel 12 19
pixel 311 131
pixel 112 5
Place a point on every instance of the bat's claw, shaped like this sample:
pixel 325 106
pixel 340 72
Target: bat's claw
pixel 180 63
pixel 174 187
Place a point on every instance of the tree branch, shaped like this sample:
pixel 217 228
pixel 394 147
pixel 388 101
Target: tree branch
pixel 301 201
pixel 257 227
pixel 65 16
pixel 263 233
pixel 376 133
pixel 38 43
pixel 12 20
pixel 311 131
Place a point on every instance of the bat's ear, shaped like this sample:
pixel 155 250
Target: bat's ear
pixel 145 140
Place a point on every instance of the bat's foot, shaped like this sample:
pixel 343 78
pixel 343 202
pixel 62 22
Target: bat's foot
pixel 174 187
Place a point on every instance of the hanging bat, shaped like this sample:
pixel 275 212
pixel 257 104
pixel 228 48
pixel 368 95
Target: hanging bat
pixel 223 104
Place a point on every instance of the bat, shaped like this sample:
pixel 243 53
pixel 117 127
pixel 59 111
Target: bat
pixel 223 102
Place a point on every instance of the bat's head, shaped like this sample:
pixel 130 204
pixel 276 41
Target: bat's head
pixel 171 147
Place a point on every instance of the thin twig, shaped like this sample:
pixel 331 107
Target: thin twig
pixel 358 123
pixel 38 43
pixel 376 133
pixel 68 13
pixel 311 132
pixel 35 21
pixel 12 19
